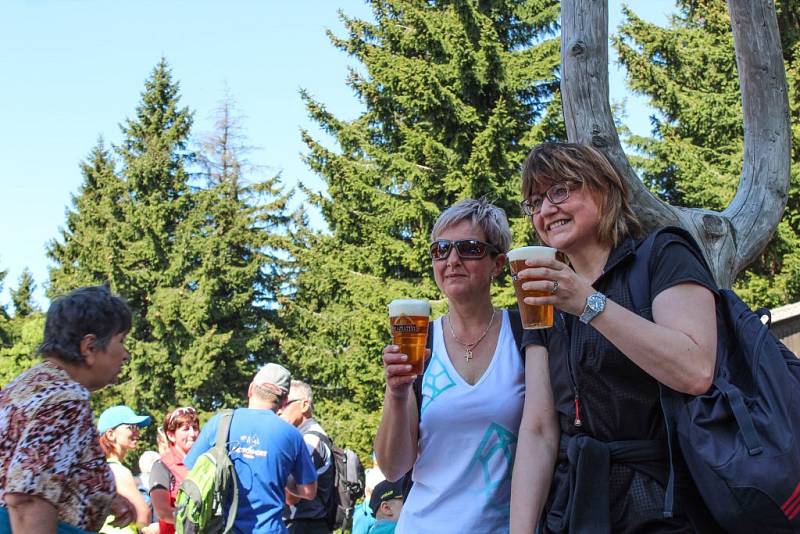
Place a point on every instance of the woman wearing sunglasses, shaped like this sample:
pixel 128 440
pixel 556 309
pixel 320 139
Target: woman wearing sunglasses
pixel 460 441
pixel 181 428
pixel 119 434
pixel 593 411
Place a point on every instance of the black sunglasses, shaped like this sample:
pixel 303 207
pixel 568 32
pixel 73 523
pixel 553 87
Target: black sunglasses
pixel 467 249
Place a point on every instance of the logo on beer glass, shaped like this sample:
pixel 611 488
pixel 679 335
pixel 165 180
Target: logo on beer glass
pixel 404 325
pixel 409 325
pixel 533 317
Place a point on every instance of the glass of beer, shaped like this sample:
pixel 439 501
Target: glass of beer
pixel 409 321
pixel 533 317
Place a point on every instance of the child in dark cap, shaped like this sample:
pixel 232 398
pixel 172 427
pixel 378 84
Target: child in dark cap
pixel 386 503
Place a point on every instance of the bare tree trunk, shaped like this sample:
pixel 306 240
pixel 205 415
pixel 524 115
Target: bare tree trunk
pixel 734 238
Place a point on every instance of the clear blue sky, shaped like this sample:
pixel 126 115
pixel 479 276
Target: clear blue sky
pixel 73 70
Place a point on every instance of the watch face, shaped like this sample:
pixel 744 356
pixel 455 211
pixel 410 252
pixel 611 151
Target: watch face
pixel 596 302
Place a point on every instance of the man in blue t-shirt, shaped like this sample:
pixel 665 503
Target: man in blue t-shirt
pixel 268 453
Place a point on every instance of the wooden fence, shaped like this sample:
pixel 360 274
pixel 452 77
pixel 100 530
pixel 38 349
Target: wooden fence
pixel 786 325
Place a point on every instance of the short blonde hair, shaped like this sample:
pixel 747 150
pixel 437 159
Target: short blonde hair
pixel 551 163
pixel 482 213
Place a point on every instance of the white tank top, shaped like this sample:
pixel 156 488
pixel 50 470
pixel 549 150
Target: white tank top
pixel 467 441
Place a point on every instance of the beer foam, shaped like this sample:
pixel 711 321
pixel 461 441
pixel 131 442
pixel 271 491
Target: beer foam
pixel 418 308
pixel 531 253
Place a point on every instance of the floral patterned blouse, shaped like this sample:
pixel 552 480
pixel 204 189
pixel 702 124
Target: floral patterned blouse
pixel 49 446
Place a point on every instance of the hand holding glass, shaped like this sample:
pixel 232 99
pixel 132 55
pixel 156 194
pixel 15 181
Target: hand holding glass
pixel 533 317
pixel 409 322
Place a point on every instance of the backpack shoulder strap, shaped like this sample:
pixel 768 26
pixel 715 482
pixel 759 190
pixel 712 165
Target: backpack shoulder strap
pixel 639 276
pixel 221 443
pixel 417 389
pixel 639 283
pixel 428 345
pixel 417 386
pixel 324 438
pixel 223 430
pixel 516 328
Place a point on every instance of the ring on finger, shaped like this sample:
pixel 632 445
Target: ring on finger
pixel 555 287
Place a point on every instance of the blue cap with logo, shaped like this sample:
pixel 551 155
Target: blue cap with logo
pixel 120 415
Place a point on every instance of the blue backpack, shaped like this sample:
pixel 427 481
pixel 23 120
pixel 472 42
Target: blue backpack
pixel 741 439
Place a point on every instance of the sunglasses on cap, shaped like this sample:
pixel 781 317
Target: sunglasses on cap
pixel 177 412
pixel 467 249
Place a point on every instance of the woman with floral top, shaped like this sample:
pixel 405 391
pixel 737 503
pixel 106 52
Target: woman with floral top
pixel 53 476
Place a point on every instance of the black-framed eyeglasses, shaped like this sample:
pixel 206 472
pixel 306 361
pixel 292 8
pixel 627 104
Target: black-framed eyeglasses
pixel 292 400
pixel 467 249
pixel 556 194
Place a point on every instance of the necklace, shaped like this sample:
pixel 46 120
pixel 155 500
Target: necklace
pixel 470 346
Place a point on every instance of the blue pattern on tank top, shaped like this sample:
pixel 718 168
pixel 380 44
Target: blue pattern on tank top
pixel 436 381
pixel 495 449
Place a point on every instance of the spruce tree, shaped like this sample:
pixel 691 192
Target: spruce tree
pixel 21 333
pixel 87 252
pixel 122 230
pixel 455 94
pixel 195 251
pixel 18 351
pixel 22 296
pixel 227 250
pixel 693 158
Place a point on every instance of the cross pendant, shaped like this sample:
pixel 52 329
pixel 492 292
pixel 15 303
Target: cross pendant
pixel 468 356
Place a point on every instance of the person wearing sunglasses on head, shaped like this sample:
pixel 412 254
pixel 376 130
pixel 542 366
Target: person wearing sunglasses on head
pixel 119 434
pixel 460 439
pixel 181 429
pixel 592 409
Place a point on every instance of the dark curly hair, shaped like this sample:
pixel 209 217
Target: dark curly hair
pixel 83 311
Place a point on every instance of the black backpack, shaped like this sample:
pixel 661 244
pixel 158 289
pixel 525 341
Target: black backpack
pixel 741 439
pixel 348 484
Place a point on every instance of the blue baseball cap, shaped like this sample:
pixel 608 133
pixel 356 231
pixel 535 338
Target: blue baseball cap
pixel 120 415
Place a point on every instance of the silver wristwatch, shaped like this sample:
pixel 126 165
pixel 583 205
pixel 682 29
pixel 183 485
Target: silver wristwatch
pixel 595 304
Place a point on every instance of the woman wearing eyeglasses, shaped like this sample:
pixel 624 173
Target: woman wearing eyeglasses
pixel 594 413
pixel 181 428
pixel 119 433
pixel 461 440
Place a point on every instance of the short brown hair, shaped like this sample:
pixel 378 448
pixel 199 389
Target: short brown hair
pixel 551 163
pixel 178 417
